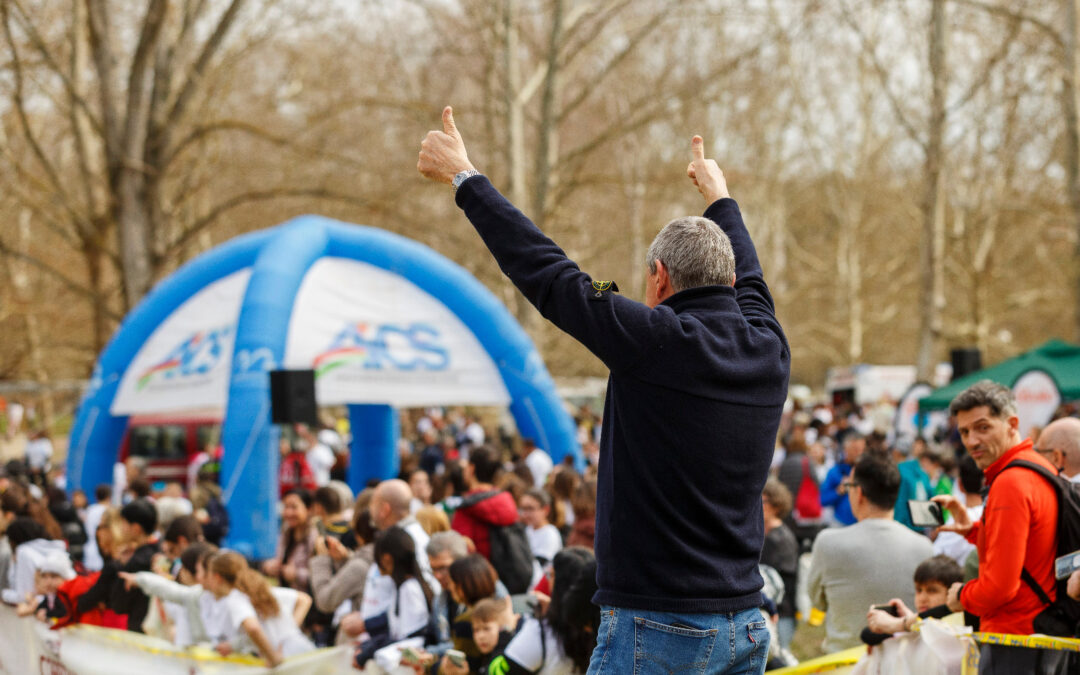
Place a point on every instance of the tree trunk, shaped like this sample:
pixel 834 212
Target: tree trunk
pixel 931 259
pixel 134 221
pixel 1070 92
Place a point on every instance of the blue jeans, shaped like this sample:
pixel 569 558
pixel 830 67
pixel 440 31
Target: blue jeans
pixel 640 642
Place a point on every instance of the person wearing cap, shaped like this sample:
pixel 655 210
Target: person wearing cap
pixel 52 571
pixel 699 375
pixel 139 519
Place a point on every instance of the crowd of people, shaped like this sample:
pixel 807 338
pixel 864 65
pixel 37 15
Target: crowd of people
pixel 478 553
pixel 839 530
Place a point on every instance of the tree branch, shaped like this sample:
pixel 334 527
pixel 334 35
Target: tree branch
pixel 140 63
pixel 198 69
pixel 47 56
pixel 883 77
pixel 261 195
pixel 1018 16
pixel 97 14
pixel 56 274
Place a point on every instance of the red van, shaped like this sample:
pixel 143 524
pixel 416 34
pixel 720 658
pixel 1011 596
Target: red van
pixel 170 443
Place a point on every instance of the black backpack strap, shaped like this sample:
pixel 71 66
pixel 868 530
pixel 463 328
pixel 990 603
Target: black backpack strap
pixel 475 499
pixel 1034 586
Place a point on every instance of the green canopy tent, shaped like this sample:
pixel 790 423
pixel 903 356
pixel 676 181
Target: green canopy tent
pixel 1060 360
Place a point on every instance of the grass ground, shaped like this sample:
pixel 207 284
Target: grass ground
pixel 807 641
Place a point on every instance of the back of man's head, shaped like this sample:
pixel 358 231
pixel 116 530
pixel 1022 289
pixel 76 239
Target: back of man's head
pixel 329 499
pixel 486 463
pixel 695 251
pixel 187 527
pixel 878 478
pixel 142 513
pixel 998 398
pixel 103 493
pixel 395 493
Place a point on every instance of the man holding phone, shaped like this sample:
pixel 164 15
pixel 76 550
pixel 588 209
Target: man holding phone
pixel 1017 531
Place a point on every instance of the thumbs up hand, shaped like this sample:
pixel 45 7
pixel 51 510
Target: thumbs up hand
pixel 706 175
pixel 442 153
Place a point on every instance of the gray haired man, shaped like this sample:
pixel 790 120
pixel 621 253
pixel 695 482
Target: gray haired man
pixel 698 381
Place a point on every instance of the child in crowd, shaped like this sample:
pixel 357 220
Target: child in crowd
pixel 230 573
pixel 187 601
pixel 933 577
pixel 409 614
pixel 52 571
pixel 233 619
pixel 544 538
pixel 494 624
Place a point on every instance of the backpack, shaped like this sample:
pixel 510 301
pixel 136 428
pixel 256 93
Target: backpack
pixel 1061 617
pixel 511 555
pixel 808 499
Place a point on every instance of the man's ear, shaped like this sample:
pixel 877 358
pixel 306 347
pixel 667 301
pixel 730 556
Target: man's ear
pixel 733 277
pixel 1014 422
pixel 663 280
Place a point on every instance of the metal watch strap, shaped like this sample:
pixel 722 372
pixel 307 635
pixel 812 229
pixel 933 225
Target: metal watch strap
pixel 462 177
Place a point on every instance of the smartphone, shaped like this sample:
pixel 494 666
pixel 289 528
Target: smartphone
pixel 456 657
pixel 926 514
pixel 888 609
pixel 1066 565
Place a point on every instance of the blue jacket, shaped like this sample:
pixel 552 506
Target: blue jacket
pixel 831 497
pixel 693 403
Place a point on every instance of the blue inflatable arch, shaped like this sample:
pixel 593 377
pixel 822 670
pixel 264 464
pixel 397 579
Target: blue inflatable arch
pixel 279 258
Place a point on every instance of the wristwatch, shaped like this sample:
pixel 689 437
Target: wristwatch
pixel 462 177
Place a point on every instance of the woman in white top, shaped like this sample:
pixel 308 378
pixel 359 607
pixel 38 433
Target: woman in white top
pixel 544 538
pixel 236 615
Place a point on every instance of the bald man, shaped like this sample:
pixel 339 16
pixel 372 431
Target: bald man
pixel 1059 442
pixel 390 508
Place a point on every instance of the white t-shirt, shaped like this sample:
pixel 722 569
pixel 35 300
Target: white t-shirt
pixel 539 463
pixel 408 611
pixel 545 542
pixel 281 630
pixel 235 608
pixel 542 658
pixel 321 459
pixel 91 555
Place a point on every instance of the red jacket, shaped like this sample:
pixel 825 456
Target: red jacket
pixel 1018 530
pixel 473 521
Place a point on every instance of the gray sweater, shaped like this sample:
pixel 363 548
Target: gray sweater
pixel 330 588
pixel 863 564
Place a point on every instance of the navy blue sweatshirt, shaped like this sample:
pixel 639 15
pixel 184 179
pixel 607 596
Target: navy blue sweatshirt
pixel 694 400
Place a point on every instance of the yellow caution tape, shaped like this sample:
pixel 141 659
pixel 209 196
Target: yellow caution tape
pixel 1034 641
pixel 136 641
pixel 824 664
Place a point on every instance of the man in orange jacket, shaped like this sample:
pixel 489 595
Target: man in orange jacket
pixel 1018 530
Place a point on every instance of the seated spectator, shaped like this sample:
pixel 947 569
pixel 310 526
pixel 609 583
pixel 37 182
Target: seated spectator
pixel 544 538
pixel 30 547
pixel 409 614
pixel 432 519
pixel 854 566
pixel 781 552
pixel 326 506
pixel 933 578
pixel 562 640
pixel 296 544
pixel 494 624
pixel 338 574
pixel 51 573
pixel 472 579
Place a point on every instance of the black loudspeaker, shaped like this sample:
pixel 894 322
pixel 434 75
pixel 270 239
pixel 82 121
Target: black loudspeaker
pixel 292 397
pixel 965 361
